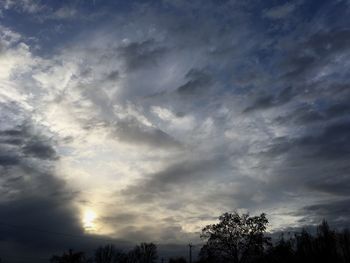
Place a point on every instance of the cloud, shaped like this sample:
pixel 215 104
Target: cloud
pixel 142 54
pixel 159 186
pixel 198 82
pixel 174 121
pixel 32 195
pixel 280 12
pixel 336 212
pixel 269 101
pixel 27 6
pixel 133 132
pixel 314 52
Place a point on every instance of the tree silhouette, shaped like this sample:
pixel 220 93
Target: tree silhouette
pixel 70 257
pixel 282 251
pixel 344 245
pixel 326 243
pixel 236 238
pixel 143 253
pixel 109 254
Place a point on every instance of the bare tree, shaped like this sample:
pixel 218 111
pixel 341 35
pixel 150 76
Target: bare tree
pixel 236 238
pixel 109 254
pixel 143 253
pixel 70 257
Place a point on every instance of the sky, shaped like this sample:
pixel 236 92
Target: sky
pixel 141 121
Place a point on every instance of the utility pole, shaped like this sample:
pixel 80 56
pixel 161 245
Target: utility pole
pixel 190 246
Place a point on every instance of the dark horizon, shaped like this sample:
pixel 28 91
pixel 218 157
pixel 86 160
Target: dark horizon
pixel 290 245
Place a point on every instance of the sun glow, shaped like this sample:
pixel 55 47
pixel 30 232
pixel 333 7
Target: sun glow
pixel 89 218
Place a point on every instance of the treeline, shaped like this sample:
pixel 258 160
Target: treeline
pixel 326 245
pixel 236 239
pixel 143 253
pixel 242 239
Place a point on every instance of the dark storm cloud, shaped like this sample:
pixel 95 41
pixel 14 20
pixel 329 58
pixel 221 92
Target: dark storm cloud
pixel 315 51
pixel 134 132
pixel 28 144
pixel 331 143
pixel 36 207
pixel 336 182
pixel 199 81
pixel 8 160
pixel 308 114
pixel 268 101
pixel 113 75
pixel 39 149
pixel 336 212
pixel 138 55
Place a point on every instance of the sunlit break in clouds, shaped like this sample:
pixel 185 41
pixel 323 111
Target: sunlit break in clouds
pixel 89 218
pixel 140 120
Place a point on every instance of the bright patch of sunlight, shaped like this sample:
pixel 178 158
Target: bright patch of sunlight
pixel 89 217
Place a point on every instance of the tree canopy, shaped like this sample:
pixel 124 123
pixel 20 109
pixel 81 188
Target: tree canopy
pixel 236 238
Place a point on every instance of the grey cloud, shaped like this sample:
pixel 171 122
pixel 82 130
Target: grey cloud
pixel 308 114
pixel 219 42
pixel 134 132
pixel 268 101
pixel 113 75
pixel 329 43
pixel 34 201
pixel 167 234
pixel 329 143
pixel 316 51
pixel 313 164
pixel 122 218
pixel 138 55
pixel 24 6
pixel 28 144
pixel 339 109
pixel 337 213
pixel 303 115
pixel 8 160
pixel 199 81
pixel 336 182
pixel 333 142
pixel 160 185
pixel 39 149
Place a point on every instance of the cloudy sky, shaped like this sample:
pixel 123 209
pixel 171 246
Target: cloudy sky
pixel 145 120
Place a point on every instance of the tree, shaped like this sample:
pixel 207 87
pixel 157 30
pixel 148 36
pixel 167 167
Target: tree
pixel 282 251
pixel 109 254
pixel 144 253
pixel 70 257
pixel 344 243
pixel 236 238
